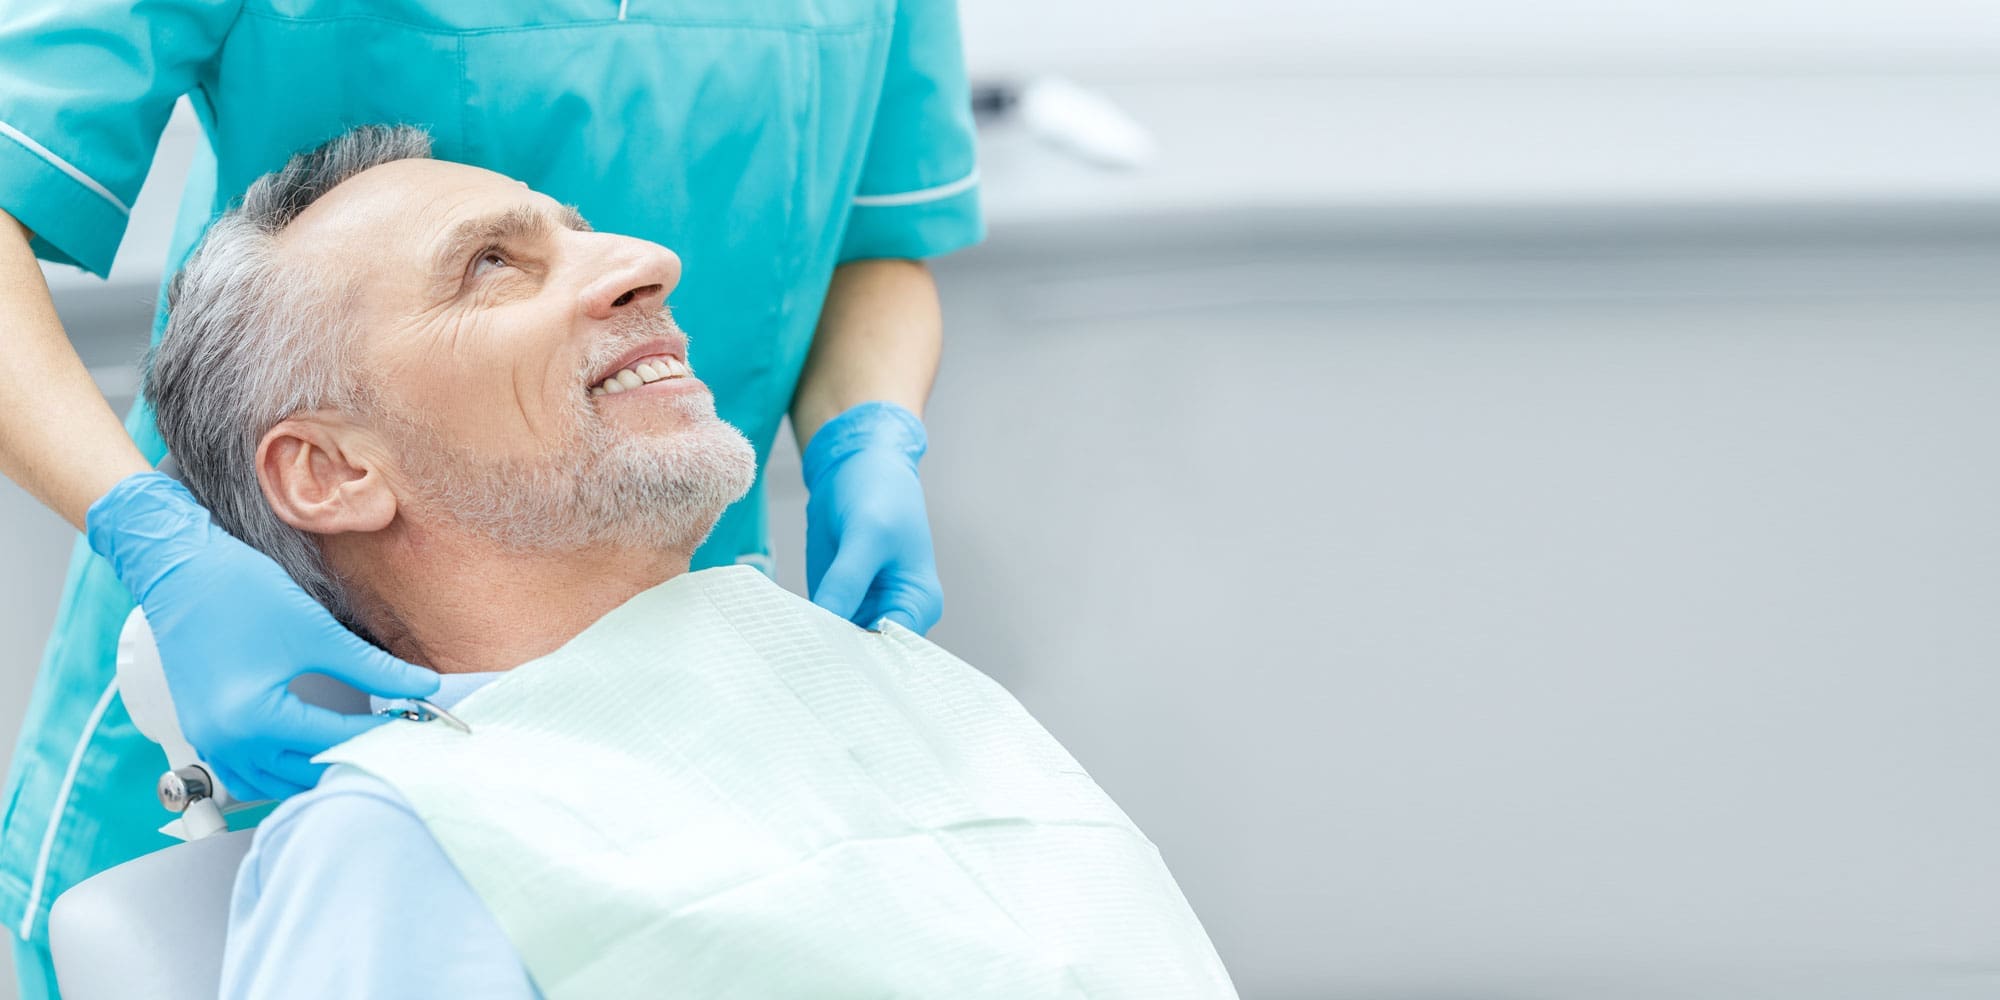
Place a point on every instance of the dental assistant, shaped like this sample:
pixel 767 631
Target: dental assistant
pixel 802 156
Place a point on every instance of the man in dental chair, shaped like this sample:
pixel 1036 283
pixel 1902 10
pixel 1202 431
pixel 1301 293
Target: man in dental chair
pixel 466 423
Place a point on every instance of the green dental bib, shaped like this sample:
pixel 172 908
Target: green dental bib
pixel 720 790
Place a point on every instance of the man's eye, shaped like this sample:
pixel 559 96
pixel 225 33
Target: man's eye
pixel 488 258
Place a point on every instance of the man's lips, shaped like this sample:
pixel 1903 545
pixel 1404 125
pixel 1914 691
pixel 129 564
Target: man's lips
pixel 655 361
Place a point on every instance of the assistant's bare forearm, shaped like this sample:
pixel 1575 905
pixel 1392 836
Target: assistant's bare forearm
pixel 879 337
pixel 58 438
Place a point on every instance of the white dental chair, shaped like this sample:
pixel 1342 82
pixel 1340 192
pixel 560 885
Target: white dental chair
pixel 152 928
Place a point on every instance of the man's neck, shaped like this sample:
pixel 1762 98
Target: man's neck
pixel 463 605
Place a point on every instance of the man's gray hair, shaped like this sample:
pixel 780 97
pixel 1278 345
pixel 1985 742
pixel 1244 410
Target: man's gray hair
pixel 249 342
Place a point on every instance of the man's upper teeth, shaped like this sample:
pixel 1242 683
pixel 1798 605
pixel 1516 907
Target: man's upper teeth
pixel 640 374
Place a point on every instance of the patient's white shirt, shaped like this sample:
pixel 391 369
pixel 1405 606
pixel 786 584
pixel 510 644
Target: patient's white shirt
pixel 344 894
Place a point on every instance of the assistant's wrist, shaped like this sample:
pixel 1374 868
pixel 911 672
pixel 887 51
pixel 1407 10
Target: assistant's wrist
pixel 876 426
pixel 134 517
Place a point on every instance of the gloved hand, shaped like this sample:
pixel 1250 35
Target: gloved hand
pixel 233 629
pixel 868 537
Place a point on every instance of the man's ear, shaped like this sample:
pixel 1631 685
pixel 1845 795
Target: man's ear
pixel 321 476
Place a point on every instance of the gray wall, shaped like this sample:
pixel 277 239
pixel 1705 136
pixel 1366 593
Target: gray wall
pixel 1532 615
pixel 1201 40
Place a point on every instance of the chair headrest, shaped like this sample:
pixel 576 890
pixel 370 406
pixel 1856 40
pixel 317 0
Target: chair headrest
pixel 152 927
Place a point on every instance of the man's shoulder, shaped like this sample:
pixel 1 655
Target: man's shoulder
pixel 351 817
pixel 345 785
pixel 344 892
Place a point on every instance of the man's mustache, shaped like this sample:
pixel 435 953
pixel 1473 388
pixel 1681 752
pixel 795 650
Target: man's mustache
pixel 629 331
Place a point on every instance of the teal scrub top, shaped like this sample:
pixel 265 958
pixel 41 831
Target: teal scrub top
pixel 765 141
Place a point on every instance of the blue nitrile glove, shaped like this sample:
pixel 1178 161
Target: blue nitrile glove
pixel 868 538
pixel 233 629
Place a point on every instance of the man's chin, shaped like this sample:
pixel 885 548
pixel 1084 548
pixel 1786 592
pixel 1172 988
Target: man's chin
pixel 703 453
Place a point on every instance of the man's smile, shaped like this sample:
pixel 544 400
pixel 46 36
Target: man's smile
pixel 652 369
pixel 658 360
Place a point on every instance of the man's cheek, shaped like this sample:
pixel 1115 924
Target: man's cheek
pixel 473 412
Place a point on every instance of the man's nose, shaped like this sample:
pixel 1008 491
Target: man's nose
pixel 636 275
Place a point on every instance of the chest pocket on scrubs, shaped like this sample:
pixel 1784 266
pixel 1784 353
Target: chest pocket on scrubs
pixel 698 124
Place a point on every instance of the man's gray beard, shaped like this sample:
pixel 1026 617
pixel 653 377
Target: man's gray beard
pixel 633 490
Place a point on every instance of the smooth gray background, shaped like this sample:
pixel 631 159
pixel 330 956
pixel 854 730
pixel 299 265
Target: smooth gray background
pixel 1508 506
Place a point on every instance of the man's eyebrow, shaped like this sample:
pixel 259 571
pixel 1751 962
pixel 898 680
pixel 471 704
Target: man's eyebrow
pixel 522 222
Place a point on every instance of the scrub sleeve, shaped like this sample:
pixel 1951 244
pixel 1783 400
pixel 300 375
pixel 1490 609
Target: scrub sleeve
pixel 86 87
pixel 918 194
